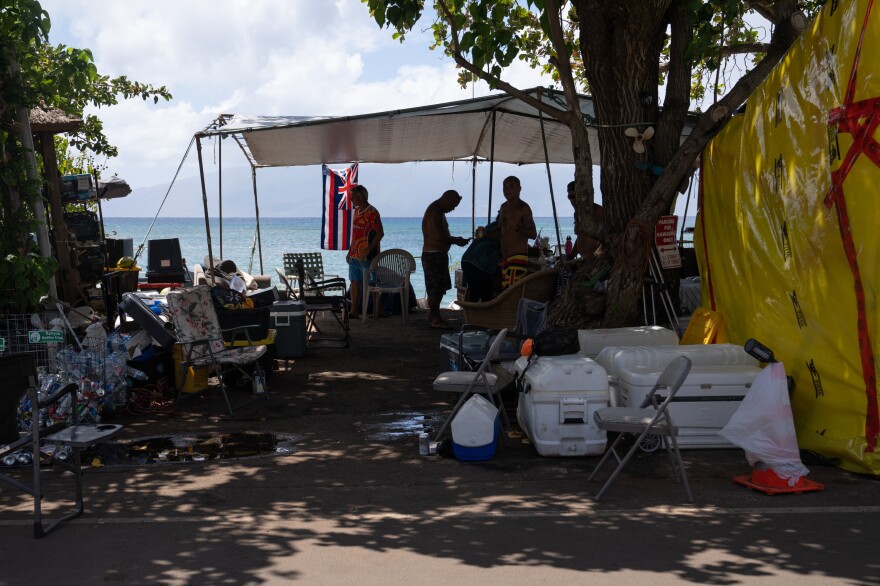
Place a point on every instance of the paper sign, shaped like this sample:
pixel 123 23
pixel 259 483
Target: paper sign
pixel 665 240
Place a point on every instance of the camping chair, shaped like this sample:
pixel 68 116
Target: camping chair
pixel 19 377
pixel 652 418
pixel 392 269
pixel 313 262
pixel 467 383
pixel 314 293
pixel 198 330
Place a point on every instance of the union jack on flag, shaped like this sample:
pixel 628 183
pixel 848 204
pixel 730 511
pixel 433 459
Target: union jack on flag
pixel 338 210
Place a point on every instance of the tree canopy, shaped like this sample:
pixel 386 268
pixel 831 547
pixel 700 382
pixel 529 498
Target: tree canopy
pixel 621 53
pixel 36 74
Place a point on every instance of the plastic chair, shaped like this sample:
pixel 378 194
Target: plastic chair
pixel 197 329
pixel 652 418
pixel 70 438
pixel 467 383
pixel 392 269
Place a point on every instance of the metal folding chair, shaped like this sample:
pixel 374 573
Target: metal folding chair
pixel 468 383
pixel 652 418
pixel 70 437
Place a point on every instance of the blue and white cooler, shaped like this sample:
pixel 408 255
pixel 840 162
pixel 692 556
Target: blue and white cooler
pixel 476 430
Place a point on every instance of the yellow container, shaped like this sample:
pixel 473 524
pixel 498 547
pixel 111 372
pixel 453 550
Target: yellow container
pixel 196 378
pixel 706 327
pixel 241 341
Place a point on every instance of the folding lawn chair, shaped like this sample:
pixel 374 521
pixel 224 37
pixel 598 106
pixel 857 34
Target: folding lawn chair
pixel 652 418
pixel 19 377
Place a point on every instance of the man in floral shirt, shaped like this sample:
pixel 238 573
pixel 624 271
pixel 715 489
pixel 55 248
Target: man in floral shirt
pixel 366 233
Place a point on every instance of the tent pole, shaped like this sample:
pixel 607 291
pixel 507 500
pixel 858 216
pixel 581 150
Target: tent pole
pixel 491 168
pixel 220 187
pixel 257 212
pixel 205 205
pixel 549 178
pixel 473 194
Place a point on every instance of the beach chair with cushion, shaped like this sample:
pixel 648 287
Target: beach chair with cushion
pixel 391 270
pixel 68 437
pixel 466 383
pixel 197 329
pixel 651 419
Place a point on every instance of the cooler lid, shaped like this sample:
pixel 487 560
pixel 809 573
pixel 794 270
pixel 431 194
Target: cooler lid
pixel 571 373
pixel 288 306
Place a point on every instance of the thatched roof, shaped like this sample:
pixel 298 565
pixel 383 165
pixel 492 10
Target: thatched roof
pixel 53 120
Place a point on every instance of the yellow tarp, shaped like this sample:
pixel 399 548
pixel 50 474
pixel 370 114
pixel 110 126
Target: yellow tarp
pixel 788 258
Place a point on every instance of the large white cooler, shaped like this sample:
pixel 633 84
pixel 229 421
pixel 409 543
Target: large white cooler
pixel 721 375
pixel 560 395
pixel 593 341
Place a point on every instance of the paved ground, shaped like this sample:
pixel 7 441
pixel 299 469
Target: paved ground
pixel 356 503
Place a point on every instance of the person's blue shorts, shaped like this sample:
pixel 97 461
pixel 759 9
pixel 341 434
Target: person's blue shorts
pixel 356 269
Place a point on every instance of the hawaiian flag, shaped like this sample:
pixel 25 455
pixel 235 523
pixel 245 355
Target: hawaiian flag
pixel 338 210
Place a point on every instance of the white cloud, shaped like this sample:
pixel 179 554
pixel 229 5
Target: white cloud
pixel 220 56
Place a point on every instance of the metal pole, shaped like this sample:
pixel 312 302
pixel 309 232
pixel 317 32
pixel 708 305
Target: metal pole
pixel 473 194
pixel 257 211
pixel 205 205
pixel 550 180
pixel 491 168
pixel 220 187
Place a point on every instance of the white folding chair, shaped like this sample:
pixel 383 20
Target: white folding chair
pixel 652 418
pixel 468 383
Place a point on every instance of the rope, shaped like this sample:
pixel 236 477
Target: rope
pixel 153 223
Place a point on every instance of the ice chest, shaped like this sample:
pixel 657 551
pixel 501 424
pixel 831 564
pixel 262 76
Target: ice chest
pixel 593 341
pixel 476 429
pixel 560 395
pixel 720 376
pixel 475 345
pixel 289 319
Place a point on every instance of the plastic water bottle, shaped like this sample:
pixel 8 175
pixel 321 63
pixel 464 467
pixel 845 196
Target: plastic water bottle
pixel 424 444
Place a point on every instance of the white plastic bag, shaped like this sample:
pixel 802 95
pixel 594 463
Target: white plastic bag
pixel 763 426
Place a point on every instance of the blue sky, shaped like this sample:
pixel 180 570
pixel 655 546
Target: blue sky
pixel 292 57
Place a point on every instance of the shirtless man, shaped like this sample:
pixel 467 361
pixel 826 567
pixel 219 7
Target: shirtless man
pixel 517 227
pixel 435 251
pixel 585 245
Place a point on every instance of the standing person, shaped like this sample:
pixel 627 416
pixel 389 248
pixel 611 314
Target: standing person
pixel 517 227
pixel 366 234
pixel 435 251
pixel 585 245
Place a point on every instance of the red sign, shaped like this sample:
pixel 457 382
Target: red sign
pixel 665 240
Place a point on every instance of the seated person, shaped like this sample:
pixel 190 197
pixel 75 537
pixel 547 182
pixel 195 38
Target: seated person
pixel 481 264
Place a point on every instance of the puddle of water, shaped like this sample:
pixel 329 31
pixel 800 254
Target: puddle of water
pixel 408 425
pixel 191 448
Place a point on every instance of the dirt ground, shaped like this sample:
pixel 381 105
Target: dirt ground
pixel 356 502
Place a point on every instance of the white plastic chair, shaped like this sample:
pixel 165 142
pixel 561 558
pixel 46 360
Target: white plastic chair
pixel 391 270
pixel 652 418
pixel 468 383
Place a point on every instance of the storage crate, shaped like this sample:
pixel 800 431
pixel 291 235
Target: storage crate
pixel 235 318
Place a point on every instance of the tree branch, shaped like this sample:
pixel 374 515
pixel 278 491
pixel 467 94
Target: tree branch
pixel 560 115
pixel 727 51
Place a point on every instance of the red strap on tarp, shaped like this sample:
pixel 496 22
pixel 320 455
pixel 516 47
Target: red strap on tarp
pixel 860 119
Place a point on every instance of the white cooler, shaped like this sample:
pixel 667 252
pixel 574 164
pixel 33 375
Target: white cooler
pixel 561 393
pixel 720 377
pixel 593 341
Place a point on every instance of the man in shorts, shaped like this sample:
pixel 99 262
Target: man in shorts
pixel 435 252
pixel 366 233
pixel 517 227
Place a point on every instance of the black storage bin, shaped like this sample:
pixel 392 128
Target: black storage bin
pixel 91 262
pixel 165 262
pixel 83 225
pixel 117 248
pixel 234 318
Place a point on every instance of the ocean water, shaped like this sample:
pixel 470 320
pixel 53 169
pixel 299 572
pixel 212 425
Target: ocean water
pixel 280 235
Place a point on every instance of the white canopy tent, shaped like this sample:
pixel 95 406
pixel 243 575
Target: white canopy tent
pixel 494 128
